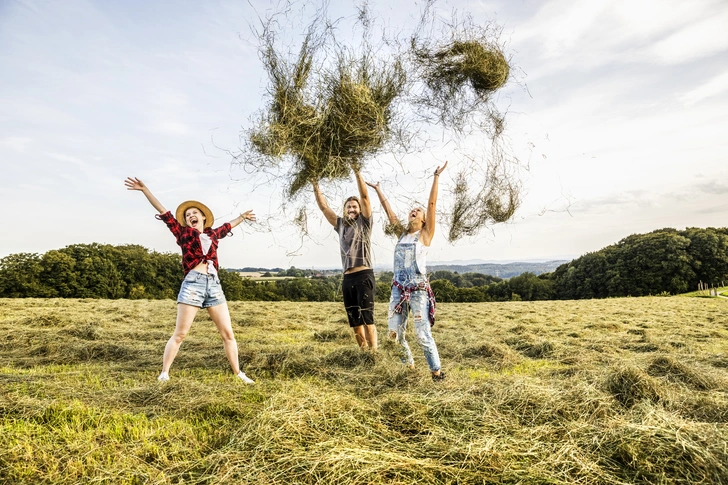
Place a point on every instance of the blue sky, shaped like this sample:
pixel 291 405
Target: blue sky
pixel 618 112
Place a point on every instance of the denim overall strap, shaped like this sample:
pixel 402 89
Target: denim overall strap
pixel 406 271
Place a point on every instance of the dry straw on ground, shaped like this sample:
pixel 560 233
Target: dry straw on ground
pixel 537 392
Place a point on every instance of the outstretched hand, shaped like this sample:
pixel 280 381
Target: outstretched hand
pixel 439 170
pixel 374 186
pixel 248 215
pixel 133 183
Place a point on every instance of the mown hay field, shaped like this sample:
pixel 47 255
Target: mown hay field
pixel 631 390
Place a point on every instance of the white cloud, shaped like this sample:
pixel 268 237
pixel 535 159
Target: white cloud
pixel 694 41
pixel 715 86
pixel 171 127
pixel 18 144
pixel 136 91
pixel 566 36
pixel 652 19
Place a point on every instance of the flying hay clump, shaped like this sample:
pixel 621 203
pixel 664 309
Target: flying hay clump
pixel 326 123
pixel 496 202
pixel 461 66
pixel 447 70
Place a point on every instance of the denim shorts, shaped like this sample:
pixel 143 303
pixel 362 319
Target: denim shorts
pixel 201 290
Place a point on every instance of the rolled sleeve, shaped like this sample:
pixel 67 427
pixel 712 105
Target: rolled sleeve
pixel 171 222
pixel 223 230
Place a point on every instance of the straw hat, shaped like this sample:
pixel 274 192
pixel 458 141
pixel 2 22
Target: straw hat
pixel 180 214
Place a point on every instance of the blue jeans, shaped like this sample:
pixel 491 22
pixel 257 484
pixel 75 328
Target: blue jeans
pixel 201 290
pixel 420 313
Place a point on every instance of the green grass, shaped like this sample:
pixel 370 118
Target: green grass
pixel 706 293
pixel 614 391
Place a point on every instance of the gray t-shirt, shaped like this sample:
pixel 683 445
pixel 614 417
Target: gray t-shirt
pixel 355 241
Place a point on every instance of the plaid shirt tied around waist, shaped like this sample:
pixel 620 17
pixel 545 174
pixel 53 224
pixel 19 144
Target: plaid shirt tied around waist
pixel 407 293
pixel 188 239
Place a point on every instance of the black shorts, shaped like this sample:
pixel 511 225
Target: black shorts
pixel 359 290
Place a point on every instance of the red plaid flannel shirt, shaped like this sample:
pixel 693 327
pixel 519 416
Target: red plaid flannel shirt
pixel 188 239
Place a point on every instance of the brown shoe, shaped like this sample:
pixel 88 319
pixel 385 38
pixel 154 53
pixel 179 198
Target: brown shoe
pixel 438 377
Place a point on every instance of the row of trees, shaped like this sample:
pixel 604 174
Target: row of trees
pixel 132 271
pixel 663 261
pixel 91 271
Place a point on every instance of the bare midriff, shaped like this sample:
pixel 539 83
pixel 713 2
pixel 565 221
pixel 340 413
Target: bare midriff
pixel 356 269
pixel 201 268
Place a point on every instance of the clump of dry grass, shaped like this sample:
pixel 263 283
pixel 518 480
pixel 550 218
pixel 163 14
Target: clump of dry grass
pixel 495 356
pixel 349 358
pixel 407 417
pixel 332 335
pixel 471 62
pixel 325 119
pixel 665 366
pixel 704 408
pixel 461 64
pixel 496 202
pixel 323 411
pixel 87 331
pixel 630 385
pixel 531 347
pixel 661 451
pixel 394 230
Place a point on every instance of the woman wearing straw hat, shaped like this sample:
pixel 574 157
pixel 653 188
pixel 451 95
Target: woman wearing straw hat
pixel 410 286
pixel 192 226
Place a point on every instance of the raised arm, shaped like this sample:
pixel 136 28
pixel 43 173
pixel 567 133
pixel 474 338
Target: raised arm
pixel 323 205
pixel 247 215
pixel 429 230
pixel 385 204
pixel 366 203
pixel 133 183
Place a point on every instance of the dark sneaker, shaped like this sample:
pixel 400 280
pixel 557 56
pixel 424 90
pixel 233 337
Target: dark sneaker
pixel 438 377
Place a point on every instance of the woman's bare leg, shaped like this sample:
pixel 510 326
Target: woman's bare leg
pixel 221 316
pixel 185 316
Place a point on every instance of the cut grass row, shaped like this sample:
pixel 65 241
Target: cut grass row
pixel 626 390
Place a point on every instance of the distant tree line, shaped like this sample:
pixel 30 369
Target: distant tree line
pixel 660 262
pixel 665 261
pixel 502 270
pixel 91 271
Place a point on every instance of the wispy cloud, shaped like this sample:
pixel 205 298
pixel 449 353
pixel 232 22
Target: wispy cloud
pixel 713 87
pixel 616 202
pixel 17 144
pixel 696 40
pixel 713 187
pixel 586 35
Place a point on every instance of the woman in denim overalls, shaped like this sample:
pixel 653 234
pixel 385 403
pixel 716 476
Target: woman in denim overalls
pixel 410 286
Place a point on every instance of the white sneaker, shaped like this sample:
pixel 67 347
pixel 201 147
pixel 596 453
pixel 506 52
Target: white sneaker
pixel 245 378
pixel 163 377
